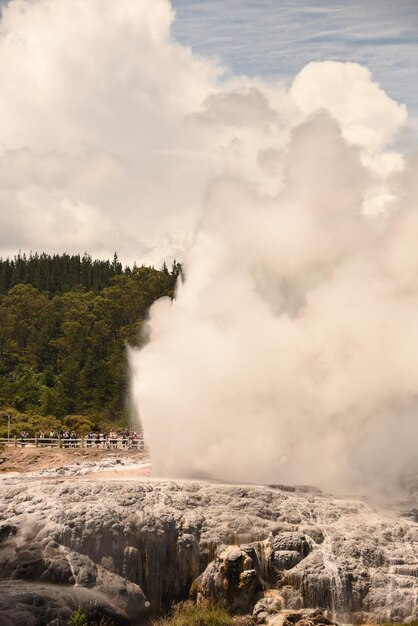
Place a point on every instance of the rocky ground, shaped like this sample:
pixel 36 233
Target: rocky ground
pixel 102 534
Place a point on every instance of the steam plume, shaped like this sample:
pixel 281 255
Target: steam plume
pixel 291 350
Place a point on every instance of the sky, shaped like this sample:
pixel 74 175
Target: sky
pixel 276 38
pixel 115 118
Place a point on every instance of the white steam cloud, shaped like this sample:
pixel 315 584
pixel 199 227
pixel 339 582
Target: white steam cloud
pixel 291 350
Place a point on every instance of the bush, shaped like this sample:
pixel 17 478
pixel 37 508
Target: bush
pixel 80 423
pixel 78 618
pixel 189 614
pixel 30 422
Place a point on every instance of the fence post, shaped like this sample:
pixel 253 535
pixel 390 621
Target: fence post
pixel 36 441
pixel 15 441
pixel 59 441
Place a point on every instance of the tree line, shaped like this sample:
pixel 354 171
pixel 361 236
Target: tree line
pixel 65 323
pixel 58 273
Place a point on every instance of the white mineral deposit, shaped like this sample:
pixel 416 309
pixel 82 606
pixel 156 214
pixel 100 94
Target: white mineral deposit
pixel 135 547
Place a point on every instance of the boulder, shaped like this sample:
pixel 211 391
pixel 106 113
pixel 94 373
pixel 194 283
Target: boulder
pixel 25 603
pixel 230 579
pixel 304 617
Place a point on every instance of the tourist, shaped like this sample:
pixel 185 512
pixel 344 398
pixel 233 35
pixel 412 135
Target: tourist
pixel 41 440
pixel 66 439
pixel 113 439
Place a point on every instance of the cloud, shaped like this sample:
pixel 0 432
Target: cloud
pixel 239 107
pixel 58 201
pixel 348 93
pixel 113 129
pixel 91 95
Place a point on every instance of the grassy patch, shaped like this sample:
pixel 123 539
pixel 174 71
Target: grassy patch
pixel 399 624
pixel 189 614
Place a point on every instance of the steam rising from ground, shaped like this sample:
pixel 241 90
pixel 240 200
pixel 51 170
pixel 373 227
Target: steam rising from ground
pixel 291 350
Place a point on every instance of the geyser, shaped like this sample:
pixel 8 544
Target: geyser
pixel 290 352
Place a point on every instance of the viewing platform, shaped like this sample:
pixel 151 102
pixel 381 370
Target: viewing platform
pixel 102 443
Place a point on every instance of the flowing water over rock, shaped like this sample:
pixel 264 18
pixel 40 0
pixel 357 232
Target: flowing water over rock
pixel 143 544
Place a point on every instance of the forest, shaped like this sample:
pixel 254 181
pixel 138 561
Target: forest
pixel 65 324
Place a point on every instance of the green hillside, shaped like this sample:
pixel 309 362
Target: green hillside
pixel 65 322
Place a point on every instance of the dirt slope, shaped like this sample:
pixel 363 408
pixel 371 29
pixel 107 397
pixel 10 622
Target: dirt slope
pixel 31 459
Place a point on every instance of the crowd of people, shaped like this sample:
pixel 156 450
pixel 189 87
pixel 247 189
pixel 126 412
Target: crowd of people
pixel 71 439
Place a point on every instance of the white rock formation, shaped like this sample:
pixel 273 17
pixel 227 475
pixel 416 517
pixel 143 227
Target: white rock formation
pixel 144 544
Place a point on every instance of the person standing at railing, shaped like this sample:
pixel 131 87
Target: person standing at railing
pixel 23 438
pixel 134 440
pixel 52 437
pixel 113 439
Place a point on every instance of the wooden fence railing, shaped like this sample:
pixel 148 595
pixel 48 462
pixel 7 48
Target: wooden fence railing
pixel 104 443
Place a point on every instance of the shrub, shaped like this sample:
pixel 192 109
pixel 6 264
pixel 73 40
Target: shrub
pixel 78 618
pixel 80 423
